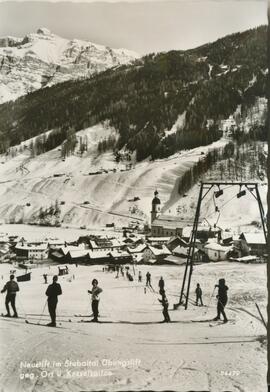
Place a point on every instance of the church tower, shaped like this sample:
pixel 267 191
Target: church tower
pixel 155 207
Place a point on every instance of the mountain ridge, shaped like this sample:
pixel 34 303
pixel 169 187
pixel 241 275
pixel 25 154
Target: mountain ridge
pixel 102 145
pixel 143 101
pixel 43 59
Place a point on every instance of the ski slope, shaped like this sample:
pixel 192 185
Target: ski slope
pixel 184 355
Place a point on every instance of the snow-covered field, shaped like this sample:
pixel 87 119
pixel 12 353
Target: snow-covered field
pixel 32 233
pixel 180 356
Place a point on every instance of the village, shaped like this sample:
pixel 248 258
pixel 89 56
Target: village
pixel 167 243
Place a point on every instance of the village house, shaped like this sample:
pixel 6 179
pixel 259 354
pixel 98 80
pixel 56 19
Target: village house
pixel 139 249
pixel 85 240
pixel 216 252
pixel 63 255
pixel 77 256
pixel 154 241
pixel 120 257
pixel 132 240
pixel 181 251
pixel 98 257
pixel 252 244
pixel 31 251
pixel 55 243
pixel 105 244
pixel 203 232
pixel 174 242
pixel 155 253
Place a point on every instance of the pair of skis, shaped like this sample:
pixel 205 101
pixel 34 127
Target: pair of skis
pixel 83 317
pixel 214 323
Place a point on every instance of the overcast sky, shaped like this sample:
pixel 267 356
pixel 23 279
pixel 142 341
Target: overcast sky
pixel 144 27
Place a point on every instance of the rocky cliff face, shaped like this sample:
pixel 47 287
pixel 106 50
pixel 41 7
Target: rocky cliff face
pixel 43 59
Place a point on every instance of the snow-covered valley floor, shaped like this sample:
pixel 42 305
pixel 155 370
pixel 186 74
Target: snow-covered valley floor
pixel 179 356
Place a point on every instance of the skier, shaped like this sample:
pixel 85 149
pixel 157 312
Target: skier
pixel 52 293
pixel 198 292
pixel 161 285
pixel 45 278
pixel 148 279
pixel 164 302
pixel 222 300
pixel 140 276
pixel 11 287
pixel 95 299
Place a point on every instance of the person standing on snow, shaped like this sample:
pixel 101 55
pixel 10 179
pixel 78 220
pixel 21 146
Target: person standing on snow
pixel 11 287
pixel 161 285
pixel 140 276
pixel 52 293
pixel 95 299
pixel 164 302
pixel 148 279
pixel 222 300
pixel 198 292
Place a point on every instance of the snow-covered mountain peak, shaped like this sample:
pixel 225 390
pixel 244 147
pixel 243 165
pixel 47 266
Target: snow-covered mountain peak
pixel 43 58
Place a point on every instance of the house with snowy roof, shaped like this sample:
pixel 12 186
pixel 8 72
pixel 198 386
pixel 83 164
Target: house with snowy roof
pixel 174 242
pixel 156 253
pixel 120 257
pixel 31 251
pixel 55 243
pixel 104 244
pixel 154 241
pixel 216 251
pixel 137 253
pixel 253 244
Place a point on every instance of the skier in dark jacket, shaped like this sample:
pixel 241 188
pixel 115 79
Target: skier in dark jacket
pixel 161 285
pixel 11 287
pixel 148 279
pixel 198 292
pixel 164 302
pixel 52 293
pixel 95 299
pixel 222 300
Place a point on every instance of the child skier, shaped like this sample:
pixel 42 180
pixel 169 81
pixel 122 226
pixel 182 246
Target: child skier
pixel 198 292
pixel 95 299
pixel 164 302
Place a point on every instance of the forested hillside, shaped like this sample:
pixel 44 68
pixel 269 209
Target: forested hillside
pixel 162 103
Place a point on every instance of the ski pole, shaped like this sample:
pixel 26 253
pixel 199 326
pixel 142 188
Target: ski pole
pixel 19 300
pixel 42 311
pixel 210 301
pixel 260 313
